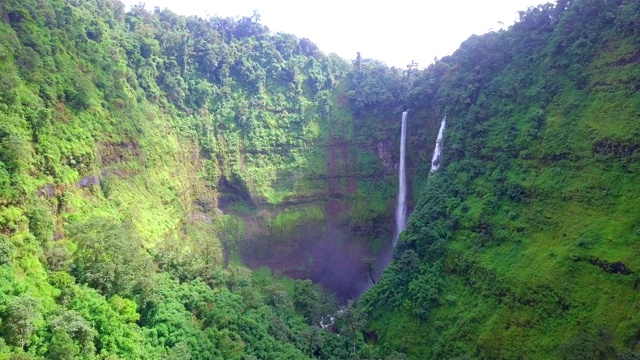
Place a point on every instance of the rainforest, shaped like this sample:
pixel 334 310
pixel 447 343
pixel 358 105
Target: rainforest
pixel 183 187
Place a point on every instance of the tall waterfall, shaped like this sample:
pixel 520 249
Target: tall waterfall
pixel 386 253
pixel 401 207
pixel 435 164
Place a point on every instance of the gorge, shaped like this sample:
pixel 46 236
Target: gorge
pixel 178 187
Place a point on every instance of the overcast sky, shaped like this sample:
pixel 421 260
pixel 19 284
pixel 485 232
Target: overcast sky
pixel 395 32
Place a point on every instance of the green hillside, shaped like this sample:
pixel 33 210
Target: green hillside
pixel 525 244
pixel 143 155
pixel 178 187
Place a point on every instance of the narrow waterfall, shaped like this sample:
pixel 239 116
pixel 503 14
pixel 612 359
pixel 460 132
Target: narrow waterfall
pixel 435 164
pixel 401 207
pixel 386 253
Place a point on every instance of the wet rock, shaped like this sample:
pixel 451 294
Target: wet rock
pixel 611 267
pixel 617 148
pixel 48 190
pixel 122 174
pixel 205 204
pixel 384 150
pixel 92 180
pixel 200 217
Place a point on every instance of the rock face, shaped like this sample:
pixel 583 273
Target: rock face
pixel 334 212
pixel 88 181
pixel 336 223
pixel 182 142
pixel 384 152
pixel 48 190
pixel 531 222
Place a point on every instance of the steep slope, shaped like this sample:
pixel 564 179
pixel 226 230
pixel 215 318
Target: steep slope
pixel 525 244
pixel 142 153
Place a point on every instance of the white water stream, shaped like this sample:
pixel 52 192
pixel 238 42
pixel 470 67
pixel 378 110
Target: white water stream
pixel 386 254
pixel 435 163
pixel 401 207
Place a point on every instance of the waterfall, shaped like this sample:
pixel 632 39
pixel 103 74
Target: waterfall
pixel 435 164
pixel 401 207
pixel 386 254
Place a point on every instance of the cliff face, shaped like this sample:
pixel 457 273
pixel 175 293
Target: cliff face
pixel 188 128
pixel 524 243
pixel 336 215
pixel 145 155
pixel 144 152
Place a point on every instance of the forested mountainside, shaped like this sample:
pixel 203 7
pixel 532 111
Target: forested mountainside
pixel 526 242
pixel 149 160
pixel 145 155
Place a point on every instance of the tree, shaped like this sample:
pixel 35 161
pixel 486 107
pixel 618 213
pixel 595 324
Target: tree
pixel 357 64
pixel 312 340
pixel 425 290
pixel 76 327
pixel 57 257
pixel 110 257
pixel 306 299
pixel 370 265
pixel 62 347
pixel 277 298
pixel 41 223
pixel 21 320
pixel 309 48
pixel 351 320
pixel 411 68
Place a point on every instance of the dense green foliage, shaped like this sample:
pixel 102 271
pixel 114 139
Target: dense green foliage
pixel 122 135
pixel 141 152
pixel 525 244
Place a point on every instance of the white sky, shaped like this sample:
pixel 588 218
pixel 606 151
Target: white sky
pixel 395 32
